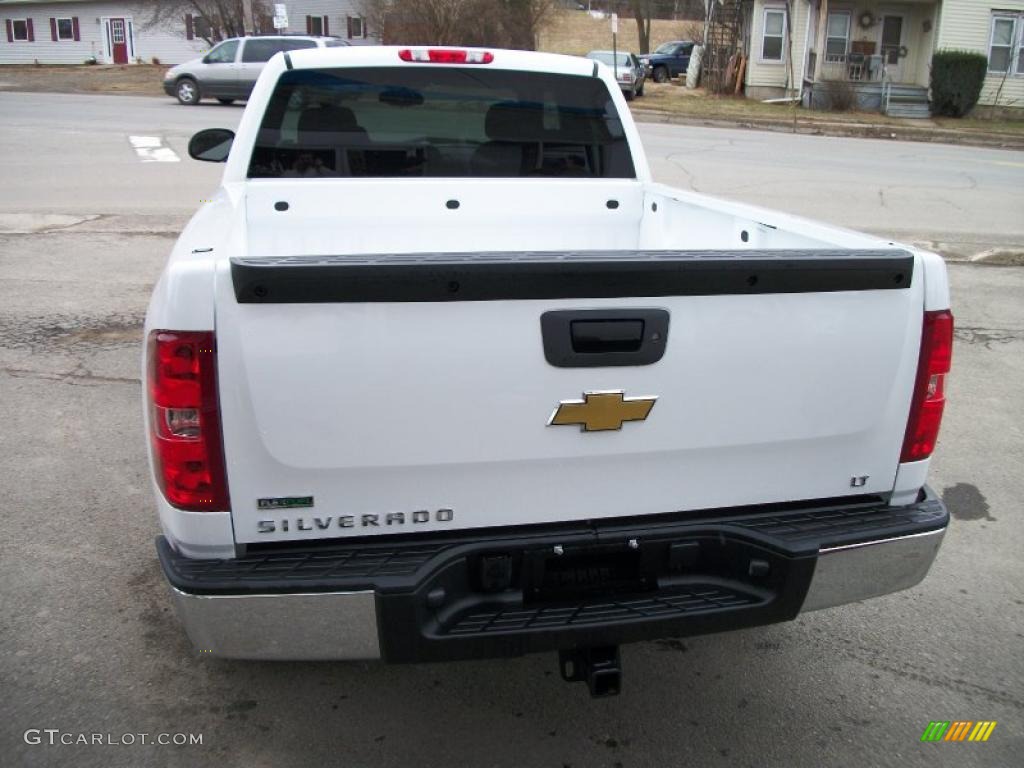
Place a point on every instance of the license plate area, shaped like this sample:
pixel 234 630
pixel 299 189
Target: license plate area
pixel 578 573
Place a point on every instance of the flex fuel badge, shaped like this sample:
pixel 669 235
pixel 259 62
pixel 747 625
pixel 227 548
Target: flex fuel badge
pixel 285 502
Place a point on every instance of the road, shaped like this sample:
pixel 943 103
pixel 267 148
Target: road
pixel 91 644
pixel 961 201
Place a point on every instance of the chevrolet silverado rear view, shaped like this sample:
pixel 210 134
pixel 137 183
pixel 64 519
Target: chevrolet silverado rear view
pixel 441 373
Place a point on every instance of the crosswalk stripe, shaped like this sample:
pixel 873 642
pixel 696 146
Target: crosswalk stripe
pixel 151 149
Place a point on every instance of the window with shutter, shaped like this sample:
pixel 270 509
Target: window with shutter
pixel 19 30
pixel 65 29
pixel 204 29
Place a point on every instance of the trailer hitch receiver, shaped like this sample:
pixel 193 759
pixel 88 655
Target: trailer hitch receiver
pixel 598 667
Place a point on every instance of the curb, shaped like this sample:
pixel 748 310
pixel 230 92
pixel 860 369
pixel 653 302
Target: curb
pixel 855 130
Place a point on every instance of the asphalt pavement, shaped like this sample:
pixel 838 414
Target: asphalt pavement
pixel 962 201
pixel 90 642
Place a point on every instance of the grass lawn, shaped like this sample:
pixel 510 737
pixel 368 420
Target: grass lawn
pixel 577 32
pixel 676 100
pixel 138 79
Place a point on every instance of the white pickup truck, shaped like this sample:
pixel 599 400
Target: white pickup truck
pixel 440 373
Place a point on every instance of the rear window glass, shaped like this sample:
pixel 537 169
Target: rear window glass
pixel 607 58
pixel 258 50
pixel 439 121
pixel 294 45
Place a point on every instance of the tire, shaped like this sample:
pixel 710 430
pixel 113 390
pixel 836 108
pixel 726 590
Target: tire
pixel 225 102
pixel 630 95
pixel 187 91
pixel 661 75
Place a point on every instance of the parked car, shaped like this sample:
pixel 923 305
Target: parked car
pixel 668 60
pixel 626 67
pixel 230 69
pixel 534 400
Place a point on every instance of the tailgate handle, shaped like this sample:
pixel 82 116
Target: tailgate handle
pixel 592 338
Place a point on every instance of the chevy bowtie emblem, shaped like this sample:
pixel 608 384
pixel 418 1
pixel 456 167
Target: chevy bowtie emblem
pixel 601 411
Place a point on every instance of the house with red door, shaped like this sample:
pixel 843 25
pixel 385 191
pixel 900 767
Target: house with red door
pixel 80 31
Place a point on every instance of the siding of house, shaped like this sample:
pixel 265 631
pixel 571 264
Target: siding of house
pixel 166 42
pixel 967 25
pixel 337 13
pixel 923 42
pixel 168 45
pixel 767 79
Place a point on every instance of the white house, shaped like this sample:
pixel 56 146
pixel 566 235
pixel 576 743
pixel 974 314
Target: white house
pixel 75 31
pixel 341 18
pixel 882 50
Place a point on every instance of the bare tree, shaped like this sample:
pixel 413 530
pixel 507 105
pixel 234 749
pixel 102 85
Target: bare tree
pixel 209 20
pixel 646 10
pixel 643 12
pixel 522 20
pixel 499 23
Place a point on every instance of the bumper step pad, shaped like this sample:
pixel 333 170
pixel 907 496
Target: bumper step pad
pixel 698 598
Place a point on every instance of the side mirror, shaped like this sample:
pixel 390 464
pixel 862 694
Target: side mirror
pixel 211 145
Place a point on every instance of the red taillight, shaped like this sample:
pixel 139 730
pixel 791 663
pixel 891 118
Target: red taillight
pixel 929 395
pixel 445 56
pixel 184 420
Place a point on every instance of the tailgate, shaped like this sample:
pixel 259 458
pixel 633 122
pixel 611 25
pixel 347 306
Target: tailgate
pixel 423 392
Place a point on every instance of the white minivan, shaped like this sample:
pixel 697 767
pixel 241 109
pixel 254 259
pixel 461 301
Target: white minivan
pixel 230 69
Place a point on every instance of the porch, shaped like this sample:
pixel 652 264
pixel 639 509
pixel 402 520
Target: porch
pixel 875 54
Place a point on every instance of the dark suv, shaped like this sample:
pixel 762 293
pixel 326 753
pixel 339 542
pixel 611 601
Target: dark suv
pixel 668 60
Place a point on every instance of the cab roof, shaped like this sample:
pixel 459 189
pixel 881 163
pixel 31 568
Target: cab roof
pixel 387 56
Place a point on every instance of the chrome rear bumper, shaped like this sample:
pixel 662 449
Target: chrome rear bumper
pixel 232 616
pixel 306 627
pixel 871 569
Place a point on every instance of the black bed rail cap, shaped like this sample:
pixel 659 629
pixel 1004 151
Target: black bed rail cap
pixel 493 276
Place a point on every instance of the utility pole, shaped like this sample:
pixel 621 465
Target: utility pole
pixel 248 22
pixel 615 50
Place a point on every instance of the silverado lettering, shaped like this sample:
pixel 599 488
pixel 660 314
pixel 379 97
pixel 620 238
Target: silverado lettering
pixel 349 521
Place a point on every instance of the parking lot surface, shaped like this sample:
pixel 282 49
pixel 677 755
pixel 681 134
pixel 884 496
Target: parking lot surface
pixel 91 644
